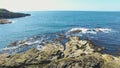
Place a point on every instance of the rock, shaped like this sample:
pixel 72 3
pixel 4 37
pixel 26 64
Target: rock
pixel 88 61
pixel 51 51
pixel 111 61
pixel 4 57
pixel 60 38
pixel 13 44
pixel 75 47
pixel 5 14
pixel 76 31
pixel 19 59
pixel 99 48
pixel 5 21
pixel 76 54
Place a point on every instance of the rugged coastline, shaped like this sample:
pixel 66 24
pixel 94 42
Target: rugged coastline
pixel 5 15
pixel 75 53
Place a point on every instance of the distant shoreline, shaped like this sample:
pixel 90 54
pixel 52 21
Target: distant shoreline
pixel 5 15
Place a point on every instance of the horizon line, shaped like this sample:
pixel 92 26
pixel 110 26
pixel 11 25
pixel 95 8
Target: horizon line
pixel 63 10
pixel 70 10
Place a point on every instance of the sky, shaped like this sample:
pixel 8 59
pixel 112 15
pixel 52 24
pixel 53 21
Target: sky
pixel 74 5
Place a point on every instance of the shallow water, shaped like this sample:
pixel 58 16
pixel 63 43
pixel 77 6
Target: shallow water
pixel 52 22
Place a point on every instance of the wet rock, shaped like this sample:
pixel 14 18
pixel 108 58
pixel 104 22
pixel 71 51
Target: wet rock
pixel 76 31
pixel 13 44
pixel 5 21
pixel 61 36
pixel 99 49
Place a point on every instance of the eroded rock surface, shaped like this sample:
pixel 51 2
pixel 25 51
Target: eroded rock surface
pixel 75 53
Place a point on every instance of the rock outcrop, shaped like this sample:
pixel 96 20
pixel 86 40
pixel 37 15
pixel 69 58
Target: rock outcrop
pixel 75 53
pixel 5 14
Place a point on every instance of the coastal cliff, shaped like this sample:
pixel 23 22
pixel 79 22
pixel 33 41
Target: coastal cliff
pixel 75 53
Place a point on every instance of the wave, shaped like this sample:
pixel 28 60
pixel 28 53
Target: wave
pixel 29 42
pixel 89 30
pixel 38 41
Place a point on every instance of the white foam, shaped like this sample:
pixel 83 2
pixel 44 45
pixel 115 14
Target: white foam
pixel 89 30
pixel 39 47
pixel 27 42
pixel 32 43
pixel 13 21
pixel 105 30
pixel 8 48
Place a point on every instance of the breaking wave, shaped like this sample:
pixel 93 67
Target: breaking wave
pixel 19 46
pixel 89 30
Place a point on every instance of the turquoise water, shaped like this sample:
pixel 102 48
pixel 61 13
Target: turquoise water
pixel 45 22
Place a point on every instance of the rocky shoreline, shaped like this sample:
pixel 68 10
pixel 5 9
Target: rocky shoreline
pixel 75 53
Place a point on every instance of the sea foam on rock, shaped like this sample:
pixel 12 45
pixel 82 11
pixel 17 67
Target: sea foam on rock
pixel 75 53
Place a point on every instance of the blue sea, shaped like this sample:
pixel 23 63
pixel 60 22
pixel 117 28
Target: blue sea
pixel 102 28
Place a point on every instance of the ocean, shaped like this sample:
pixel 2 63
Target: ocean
pixel 102 28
